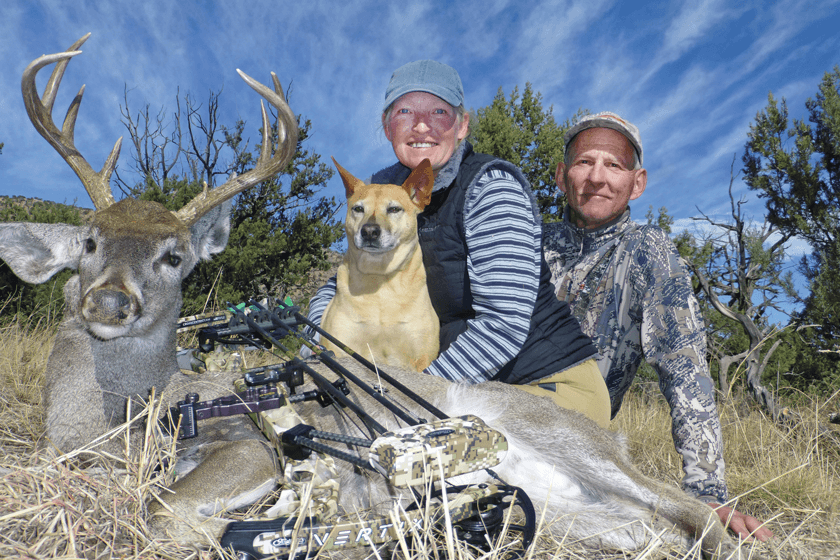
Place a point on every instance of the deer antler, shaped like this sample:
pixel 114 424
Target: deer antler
pixel 40 113
pixel 267 165
pixel 98 184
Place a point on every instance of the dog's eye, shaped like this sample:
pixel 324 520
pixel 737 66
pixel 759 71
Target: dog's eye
pixel 358 208
pixel 394 209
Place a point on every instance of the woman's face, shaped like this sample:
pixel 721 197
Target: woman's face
pixel 423 125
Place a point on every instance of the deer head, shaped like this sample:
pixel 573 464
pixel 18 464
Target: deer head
pixel 132 249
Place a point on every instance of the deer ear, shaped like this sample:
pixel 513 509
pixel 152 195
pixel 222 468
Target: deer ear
pixel 36 252
pixel 209 235
pixel 350 182
pixel 420 183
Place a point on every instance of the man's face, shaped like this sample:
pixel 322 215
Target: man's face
pixel 600 179
pixel 422 126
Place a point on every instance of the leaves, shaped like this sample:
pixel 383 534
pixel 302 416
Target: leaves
pixel 520 131
pixel 281 229
pixel 795 167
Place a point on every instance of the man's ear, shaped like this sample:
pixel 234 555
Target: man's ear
pixel 560 177
pixel 639 184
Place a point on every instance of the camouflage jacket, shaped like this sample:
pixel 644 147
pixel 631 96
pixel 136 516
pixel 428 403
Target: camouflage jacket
pixel 630 291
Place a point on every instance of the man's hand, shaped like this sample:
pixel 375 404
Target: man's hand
pixel 745 526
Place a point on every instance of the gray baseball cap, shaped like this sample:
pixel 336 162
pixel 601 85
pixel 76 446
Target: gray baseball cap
pixel 607 120
pixel 429 76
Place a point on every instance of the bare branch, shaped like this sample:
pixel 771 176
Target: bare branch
pixel 152 144
pixel 267 165
pixel 208 153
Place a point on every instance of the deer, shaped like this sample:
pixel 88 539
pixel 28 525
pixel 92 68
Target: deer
pixel 579 476
pixel 117 341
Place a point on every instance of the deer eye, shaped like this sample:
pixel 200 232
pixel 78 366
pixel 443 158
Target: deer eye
pixel 172 259
pixel 90 245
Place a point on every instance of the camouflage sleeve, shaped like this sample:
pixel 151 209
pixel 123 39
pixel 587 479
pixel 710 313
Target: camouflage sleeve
pixel 674 344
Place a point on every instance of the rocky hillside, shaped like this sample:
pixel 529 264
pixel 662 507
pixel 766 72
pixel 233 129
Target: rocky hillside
pixel 7 202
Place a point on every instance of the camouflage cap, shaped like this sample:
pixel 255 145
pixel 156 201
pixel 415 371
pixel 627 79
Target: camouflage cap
pixel 607 120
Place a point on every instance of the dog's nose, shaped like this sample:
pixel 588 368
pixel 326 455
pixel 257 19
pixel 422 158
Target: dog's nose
pixel 370 232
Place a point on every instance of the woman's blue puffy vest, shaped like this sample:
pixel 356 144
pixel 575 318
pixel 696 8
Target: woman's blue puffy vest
pixel 555 341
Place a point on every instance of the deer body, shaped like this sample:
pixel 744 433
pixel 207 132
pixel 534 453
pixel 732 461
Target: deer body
pixel 580 473
pixel 120 308
pixel 117 339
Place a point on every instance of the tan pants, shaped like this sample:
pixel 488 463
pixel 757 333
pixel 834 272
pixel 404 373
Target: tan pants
pixel 578 388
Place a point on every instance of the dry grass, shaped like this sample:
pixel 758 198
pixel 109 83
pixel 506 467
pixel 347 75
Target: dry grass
pixel 49 508
pixel 786 475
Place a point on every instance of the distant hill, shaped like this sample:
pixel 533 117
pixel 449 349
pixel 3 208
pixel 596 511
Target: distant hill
pixel 29 203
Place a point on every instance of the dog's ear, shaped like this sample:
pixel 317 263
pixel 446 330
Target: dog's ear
pixel 350 182
pixel 419 184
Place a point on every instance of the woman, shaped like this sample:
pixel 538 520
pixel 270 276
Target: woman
pixel 481 237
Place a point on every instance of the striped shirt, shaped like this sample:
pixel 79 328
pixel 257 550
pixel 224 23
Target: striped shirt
pixel 503 238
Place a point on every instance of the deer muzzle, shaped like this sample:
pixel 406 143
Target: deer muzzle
pixel 109 306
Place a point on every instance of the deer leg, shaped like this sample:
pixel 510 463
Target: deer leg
pixel 232 475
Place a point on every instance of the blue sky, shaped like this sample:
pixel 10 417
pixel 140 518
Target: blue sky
pixel 691 75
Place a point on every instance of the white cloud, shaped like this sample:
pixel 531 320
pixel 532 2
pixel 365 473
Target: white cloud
pixel 694 23
pixel 553 37
pixel 691 75
pixel 701 229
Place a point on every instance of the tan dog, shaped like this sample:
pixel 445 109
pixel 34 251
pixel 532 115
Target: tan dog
pixel 382 306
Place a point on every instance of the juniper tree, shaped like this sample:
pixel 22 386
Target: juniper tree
pixel 795 166
pixel 281 229
pixel 520 131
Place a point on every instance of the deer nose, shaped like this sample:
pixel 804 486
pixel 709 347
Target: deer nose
pixel 108 306
pixel 371 233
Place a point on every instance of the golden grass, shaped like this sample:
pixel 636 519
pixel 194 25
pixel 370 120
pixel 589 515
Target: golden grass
pixel 23 356
pixel 786 474
pixel 49 508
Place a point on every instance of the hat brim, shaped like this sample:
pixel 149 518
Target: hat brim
pixel 447 95
pixel 604 123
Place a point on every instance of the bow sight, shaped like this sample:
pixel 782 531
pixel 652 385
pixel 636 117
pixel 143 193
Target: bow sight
pixel 418 456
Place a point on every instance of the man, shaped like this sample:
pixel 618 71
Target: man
pixel 631 293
